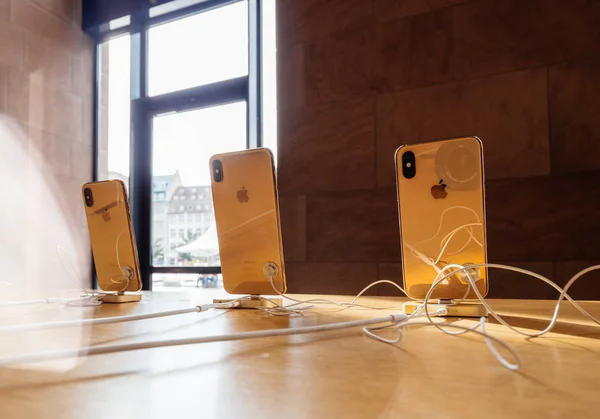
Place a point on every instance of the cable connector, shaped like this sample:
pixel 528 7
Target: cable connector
pixel 221 305
pixel 248 302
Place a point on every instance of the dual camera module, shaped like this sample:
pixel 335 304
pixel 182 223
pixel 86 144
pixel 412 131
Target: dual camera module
pixel 89 198
pixel 217 170
pixel 409 168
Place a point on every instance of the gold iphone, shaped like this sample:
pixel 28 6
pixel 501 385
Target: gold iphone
pixel 247 218
pixel 111 236
pixel 441 205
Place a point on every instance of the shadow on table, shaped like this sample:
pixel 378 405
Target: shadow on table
pixel 561 327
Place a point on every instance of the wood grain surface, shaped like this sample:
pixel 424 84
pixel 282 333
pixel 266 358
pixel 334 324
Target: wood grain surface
pixel 334 374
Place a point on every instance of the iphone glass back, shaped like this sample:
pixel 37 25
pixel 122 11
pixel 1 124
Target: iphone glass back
pixel 111 236
pixel 441 206
pixel 247 218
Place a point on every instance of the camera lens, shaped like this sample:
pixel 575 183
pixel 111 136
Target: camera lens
pixel 89 199
pixel 409 169
pixel 217 169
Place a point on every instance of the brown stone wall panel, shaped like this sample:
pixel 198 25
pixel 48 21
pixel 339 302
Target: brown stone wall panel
pixel 77 13
pixel 81 164
pixel 87 125
pixel 328 148
pixel 63 114
pixel 398 9
pixel 305 20
pixel 36 103
pixel 356 226
pixel 3 87
pixel 4 10
pixel 584 288
pixel 291 85
pixel 493 36
pixel 12 45
pixel 414 52
pixel 330 278
pixel 508 112
pixel 36 20
pixel 391 272
pixel 50 154
pixel 51 62
pixel 82 69
pixel 22 87
pixel 510 284
pixel 543 218
pixel 292 211
pixel 574 111
pixel 60 8
pixel 341 66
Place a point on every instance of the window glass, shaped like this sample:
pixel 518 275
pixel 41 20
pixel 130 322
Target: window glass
pixel 114 107
pixel 204 48
pixel 182 146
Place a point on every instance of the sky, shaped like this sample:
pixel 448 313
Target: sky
pixel 197 50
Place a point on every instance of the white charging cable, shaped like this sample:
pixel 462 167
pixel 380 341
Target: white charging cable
pixel 31 302
pixel 117 319
pixel 107 349
pixel 452 269
pixel 396 320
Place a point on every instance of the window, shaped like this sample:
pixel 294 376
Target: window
pixel 171 6
pixel 269 77
pixel 114 116
pixel 120 22
pixel 175 87
pixel 210 47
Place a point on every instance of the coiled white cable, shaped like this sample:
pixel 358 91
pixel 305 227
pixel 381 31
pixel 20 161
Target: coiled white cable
pixel 455 268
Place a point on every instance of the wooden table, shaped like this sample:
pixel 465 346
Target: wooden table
pixel 339 374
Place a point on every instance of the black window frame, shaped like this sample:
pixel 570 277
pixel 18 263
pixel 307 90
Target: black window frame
pixel 144 108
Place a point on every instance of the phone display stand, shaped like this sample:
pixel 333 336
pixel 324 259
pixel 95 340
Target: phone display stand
pixel 270 270
pixel 454 310
pixel 121 297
